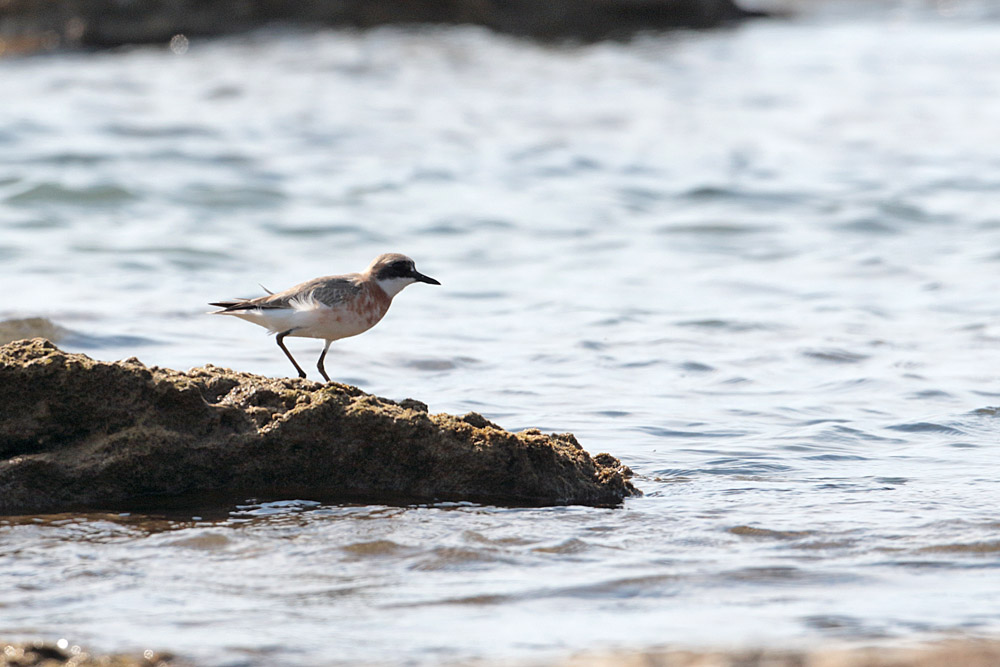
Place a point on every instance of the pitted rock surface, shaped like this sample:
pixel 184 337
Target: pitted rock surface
pixel 76 433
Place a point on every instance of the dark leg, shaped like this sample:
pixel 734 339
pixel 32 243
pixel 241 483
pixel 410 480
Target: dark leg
pixel 322 357
pixel 281 343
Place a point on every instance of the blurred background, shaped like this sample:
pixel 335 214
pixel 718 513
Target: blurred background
pixel 751 250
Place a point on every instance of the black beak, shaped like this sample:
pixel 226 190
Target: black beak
pixel 421 278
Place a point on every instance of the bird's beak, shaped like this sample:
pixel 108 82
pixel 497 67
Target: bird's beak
pixel 421 278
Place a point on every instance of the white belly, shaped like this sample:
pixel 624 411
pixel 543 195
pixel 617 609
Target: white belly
pixel 313 320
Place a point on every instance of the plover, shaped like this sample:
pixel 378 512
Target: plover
pixel 332 307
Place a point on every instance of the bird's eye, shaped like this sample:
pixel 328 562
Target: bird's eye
pixel 401 267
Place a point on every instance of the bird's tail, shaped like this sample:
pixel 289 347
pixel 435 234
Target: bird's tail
pixel 230 306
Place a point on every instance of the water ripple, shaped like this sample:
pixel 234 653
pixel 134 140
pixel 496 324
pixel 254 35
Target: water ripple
pixel 662 432
pixel 230 197
pixel 159 131
pixel 57 193
pixel 926 427
pixel 836 356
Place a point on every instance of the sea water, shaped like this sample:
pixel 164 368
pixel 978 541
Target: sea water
pixel 760 265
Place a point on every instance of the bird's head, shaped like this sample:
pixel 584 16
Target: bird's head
pixel 393 271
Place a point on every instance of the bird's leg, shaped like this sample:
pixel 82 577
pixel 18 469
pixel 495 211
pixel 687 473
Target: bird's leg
pixel 281 343
pixel 322 357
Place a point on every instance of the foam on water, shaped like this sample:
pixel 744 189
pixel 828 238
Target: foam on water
pixel 758 265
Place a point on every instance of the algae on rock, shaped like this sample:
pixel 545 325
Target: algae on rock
pixel 77 433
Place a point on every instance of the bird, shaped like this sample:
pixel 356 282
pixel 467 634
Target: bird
pixel 330 307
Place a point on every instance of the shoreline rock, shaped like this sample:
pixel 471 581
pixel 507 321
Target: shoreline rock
pixel 50 654
pixel 82 434
pixel 952 653
pixel 28 25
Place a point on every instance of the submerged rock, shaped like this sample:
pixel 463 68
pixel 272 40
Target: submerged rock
pixel 77 433
pixel 31 327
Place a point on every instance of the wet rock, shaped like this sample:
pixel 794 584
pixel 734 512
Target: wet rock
pixel 953 653
pixel 82 434
pixel 40 24
pixel 31 327
pixel 41 654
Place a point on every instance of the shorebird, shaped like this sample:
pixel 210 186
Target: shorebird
pixel 332 307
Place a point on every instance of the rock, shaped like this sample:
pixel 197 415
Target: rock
pixel 82 434
pixel 42 24
pixel 951 653
pixel 42 654
pixel 31 327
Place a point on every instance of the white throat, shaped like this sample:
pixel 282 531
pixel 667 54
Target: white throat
pixel 393 286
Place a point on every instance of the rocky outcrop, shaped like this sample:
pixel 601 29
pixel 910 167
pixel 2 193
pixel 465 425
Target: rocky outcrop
pixel 82 434
pixel 103 23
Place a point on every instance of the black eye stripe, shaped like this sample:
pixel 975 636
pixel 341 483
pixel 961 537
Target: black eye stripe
pixel 398 269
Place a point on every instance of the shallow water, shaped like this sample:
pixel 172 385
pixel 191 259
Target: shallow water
pixel 758 265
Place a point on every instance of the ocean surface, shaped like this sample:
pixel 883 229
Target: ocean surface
pixel 760 265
